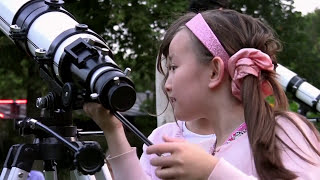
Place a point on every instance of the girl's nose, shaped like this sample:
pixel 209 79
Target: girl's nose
pixel 167 85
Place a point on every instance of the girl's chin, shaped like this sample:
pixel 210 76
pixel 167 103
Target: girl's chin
pixel 177 115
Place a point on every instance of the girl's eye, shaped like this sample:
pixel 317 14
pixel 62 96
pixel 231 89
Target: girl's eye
pixel 172 67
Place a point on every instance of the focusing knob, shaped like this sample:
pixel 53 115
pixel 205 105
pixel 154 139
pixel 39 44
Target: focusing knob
pixel 89 159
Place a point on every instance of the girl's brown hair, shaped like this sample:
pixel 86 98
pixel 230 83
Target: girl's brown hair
pixel 236 31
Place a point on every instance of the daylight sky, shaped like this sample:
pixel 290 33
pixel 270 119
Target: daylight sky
pixel 306 6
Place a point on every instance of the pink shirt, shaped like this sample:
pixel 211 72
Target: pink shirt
pixel 236 161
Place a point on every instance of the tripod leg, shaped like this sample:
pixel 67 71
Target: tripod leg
pixel 8 162
pixel 76 175
pixel 51 175
pixel 4 173
pixel 23 161
pixel 50 170
pixel 104 173
pixel 18 174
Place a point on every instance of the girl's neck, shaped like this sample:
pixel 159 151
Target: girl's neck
pixel 226 121
pixel 200 126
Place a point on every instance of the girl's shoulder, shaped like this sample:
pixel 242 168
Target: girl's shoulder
pixel 299 145
pixel 294 124
pixel 298 134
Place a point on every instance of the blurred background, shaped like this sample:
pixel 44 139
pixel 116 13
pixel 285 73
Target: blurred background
pixel 133 29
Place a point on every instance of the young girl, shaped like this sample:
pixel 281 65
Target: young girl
pixel 221 68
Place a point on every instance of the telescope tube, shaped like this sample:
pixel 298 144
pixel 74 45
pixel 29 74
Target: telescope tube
pixel 301 89
pixel 70 51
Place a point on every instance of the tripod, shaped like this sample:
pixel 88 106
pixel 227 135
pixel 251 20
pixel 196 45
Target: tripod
pixel 85 160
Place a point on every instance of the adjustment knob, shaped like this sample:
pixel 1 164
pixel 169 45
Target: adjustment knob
pixel 89 159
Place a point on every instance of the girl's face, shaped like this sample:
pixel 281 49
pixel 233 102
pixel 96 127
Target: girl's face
pixel 188 79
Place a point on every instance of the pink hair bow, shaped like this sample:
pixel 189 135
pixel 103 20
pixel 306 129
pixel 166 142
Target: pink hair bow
pixel 249 61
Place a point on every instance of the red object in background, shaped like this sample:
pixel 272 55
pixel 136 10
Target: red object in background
pixel 12 109
pixel 21 101
pixel 6 101
pixel 11 101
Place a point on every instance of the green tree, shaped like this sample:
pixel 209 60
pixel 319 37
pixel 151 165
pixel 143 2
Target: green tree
pixel 11 70
pixel 312 29
pixel 290 27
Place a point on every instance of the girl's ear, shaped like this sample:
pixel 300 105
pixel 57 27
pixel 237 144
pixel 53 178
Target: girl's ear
pixel 217 72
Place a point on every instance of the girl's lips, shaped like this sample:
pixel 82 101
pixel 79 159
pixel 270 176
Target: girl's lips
pixel 172 99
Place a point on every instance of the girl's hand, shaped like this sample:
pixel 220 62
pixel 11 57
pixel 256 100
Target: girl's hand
pixel 111 126
pixel 103 117
pixel 187 161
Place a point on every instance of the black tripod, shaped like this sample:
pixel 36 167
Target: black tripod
pixel 55 144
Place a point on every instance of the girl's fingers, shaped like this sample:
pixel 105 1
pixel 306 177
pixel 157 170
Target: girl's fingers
pixel 162 148
pixel 166 173
pixel 171 145
pixel 163 161
pixel 86 107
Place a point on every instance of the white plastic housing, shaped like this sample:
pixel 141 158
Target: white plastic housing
pixel 305 92
pixel 43 30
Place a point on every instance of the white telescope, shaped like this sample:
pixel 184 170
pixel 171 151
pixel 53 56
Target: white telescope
pixel 78 66
pixel 67 51
pixel 301 89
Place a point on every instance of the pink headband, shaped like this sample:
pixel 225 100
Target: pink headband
pixel 202 31
pixel 246 61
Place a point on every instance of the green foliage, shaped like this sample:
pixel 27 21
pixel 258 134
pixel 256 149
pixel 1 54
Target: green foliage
pixel 299 35
pixel 293 30
pixel 12 72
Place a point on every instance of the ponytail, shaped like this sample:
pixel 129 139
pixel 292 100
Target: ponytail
pixel 260 118
pixel 261 124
